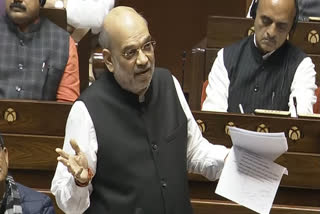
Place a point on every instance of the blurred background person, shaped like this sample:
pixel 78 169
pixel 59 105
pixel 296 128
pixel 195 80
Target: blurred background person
pixel 16 198
pixel 34 64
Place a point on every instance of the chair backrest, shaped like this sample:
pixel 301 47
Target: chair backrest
pixel 84 52
pixel 57 16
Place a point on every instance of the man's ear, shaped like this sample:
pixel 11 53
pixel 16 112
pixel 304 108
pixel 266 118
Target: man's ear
pixel 107 59
pixel 6 155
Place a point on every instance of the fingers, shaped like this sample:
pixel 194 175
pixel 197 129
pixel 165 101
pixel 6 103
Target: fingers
pixel 75 146
pixel 74 170
pixel 78 173
pixel 63 161
pixel 62 153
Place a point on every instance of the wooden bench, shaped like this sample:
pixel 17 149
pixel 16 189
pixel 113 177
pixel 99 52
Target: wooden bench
pixel 223 31
pixel 31 131
pixel 299 192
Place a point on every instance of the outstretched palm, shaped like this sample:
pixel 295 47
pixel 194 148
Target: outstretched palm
pixel 77 164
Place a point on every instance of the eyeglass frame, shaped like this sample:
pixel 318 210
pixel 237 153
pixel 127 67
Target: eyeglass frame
pixel 142 48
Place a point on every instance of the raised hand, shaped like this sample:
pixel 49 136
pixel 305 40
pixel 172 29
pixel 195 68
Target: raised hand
pixel 77 164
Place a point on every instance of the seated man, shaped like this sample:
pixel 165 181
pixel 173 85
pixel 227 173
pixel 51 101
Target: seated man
pixel 16 198
pixel 38 60
pixel 307 8
pixel 263 71
pixel 135 132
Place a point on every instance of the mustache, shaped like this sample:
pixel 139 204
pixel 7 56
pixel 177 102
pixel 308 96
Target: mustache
pixel 18 5
pixel 272 40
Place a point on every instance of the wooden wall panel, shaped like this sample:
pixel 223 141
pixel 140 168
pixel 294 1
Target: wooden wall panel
pixel 181 24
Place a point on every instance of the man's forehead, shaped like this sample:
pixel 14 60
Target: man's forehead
pixel 283 6
pixel 279 10
pixel 134 42
pixel 130 34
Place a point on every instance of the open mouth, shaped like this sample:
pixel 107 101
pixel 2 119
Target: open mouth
pixel 143 72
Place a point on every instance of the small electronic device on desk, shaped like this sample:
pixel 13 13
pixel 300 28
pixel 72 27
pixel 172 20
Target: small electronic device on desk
pixel 272 112
pixel 309 116
pixel 314 19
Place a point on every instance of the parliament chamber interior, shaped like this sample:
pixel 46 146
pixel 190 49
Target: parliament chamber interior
pixel 188 34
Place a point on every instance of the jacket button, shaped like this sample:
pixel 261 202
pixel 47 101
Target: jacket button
pixel 163 184
pixel 20 66
pixel 18 89
pixel 154 147
pixel 256 89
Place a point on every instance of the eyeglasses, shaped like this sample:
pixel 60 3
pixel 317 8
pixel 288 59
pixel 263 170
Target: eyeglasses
pixel 147 49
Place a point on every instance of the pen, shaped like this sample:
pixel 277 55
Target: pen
pixel 241 109
pixel 43 64
pixel 272 98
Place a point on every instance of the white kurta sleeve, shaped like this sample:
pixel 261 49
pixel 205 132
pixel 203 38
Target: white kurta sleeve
pixel 71 198
pixel 218 88
pixel 303 88
pixel 249 10
pixel 202 157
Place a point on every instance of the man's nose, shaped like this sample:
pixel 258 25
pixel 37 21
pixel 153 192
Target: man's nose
pixel 142 59
pixel 272 30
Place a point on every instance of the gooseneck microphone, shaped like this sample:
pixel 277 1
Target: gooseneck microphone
pixel 184 57
pixel 295 105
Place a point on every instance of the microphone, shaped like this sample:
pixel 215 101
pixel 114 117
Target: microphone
pixel 295 105
pixel 184 56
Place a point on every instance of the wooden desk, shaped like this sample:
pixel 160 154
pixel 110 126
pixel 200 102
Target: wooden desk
pixel 38 128
pixel 299 192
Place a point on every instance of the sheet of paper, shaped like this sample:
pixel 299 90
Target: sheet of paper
pixel 268 145
pixel 250 180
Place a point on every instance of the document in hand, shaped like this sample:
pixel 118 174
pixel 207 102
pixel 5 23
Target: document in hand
pixel 250 177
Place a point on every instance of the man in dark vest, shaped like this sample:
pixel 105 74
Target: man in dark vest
pixel 16 198
pixel 134 135
pixel 263 71
pixel 38 60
